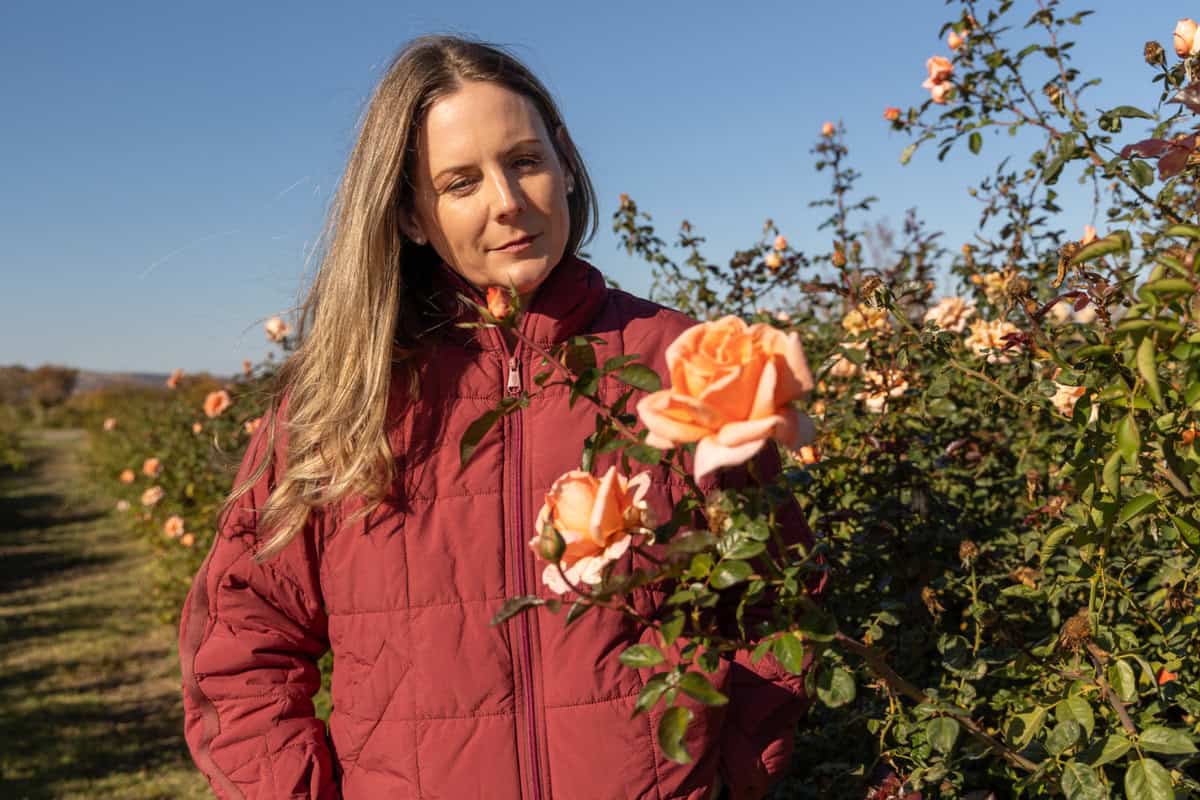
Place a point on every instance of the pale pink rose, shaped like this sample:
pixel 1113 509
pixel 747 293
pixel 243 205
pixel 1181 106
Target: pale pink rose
pixel 939 92
pixel 216 402
pixel 954 40
pixel 842 367
pixel 950 314
pixel 152 495
pixel 891 113
pixel 174 378
pixel 197 428
pixel 127 476
pixel 879 386
pixel 277 330
pixel 110 424
pixel 808 454
pixel 1185 37
pixel 939 68
pixel 122 506
pixel 188 539
pixel 995 286
pixel 732 388
pixel 499 302
pixel 1065 397
pixel 597 519
pixel 173 527
pixel 827 130
pixel 864 318
pixel 773 261
pixel 151 467
pixel 987 338
pixel 780 242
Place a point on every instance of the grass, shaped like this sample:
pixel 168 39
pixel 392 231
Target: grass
pixel 89 680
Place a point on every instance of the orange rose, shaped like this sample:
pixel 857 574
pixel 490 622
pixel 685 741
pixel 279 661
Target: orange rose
pixel 499 302
pixel 1185 38
pixel 954 41
pixel 597 519
pixel 773 261
pixel 732 388
pixel 780 242
pixel 940 69
pixel 864 318
pixel 879 386
pixel 188 539
pixel 110 424
pixel 215 403
pixel 127 476
pixel 151 467
pixel 197 428
pixel 938 92
pixel 827 130
pixel 1065 397
pixel 152 495
pixel 173 527
pixel 891 113
pixel 807 454
pixel 252 425
pixel 1089 235
pixel 247 368
pixel 173 379
pixel 277 330
pixel 1165 675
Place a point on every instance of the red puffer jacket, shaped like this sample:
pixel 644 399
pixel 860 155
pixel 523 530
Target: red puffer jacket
pixel 429 700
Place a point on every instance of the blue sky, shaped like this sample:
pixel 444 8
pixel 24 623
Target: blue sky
pixel 167 166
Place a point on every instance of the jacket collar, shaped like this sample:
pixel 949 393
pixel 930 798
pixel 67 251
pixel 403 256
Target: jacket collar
pixel 563 306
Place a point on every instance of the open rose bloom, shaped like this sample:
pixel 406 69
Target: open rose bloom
pixel 216 402
pixel 597 518
pixel 732 388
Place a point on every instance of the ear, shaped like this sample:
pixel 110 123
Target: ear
pixel 411 228
pixel 563 140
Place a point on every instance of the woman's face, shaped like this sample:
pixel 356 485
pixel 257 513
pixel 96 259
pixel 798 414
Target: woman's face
pixel 488 176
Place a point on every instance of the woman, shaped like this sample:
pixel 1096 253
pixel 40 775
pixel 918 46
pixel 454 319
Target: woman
pixel 353 526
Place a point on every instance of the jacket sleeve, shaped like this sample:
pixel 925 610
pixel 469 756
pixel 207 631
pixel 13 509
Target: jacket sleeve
pixel 249 641
pixel 766 701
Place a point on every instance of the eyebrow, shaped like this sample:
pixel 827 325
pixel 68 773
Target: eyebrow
pixel 464 167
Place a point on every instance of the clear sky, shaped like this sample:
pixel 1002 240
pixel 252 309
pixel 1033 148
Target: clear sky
pixel 167 166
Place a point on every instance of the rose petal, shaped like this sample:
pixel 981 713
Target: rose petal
pixel 736 434
pixel 712 455
pixel 676 418
pixel 607 515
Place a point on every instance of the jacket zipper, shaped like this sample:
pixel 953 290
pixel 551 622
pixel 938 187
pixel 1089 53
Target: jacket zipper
pixel 513 388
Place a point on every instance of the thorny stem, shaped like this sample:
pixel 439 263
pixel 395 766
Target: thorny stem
pixel 1109 694
pixel 988 380
pixel 878 664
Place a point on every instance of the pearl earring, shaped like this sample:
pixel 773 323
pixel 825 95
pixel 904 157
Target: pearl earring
pixel 570 184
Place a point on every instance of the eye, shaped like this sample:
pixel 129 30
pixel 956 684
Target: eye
pixel 530 161
pixel 460 185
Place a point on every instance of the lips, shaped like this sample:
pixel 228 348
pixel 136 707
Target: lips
pixel 514 242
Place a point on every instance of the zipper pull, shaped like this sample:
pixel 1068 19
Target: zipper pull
pixel 514 376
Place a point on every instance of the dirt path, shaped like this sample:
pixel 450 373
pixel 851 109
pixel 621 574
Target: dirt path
pixel 89 686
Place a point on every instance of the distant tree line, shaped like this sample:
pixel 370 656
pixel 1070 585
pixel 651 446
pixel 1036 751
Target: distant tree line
pixel 37 390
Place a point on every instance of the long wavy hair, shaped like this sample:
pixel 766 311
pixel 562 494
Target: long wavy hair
pixel 363 317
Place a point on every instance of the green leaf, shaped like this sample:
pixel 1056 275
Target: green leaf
pixel 639 376
pixel 835 686
pixel 1129 111
pixel 942 733
pixel 744 548
pixel 1171 741
pixel 697 687
pixel 1023 727
pixel 1189 231
pixel 789 649
pixel 1129 440
pixel 654 688
pixel 616 362
pixel 576 611
pixel 907 153
pixel 1136 506
pixel 975 142
pixel 1148 370
pixel 1143 173
pixel 1080 782
pixel 1116 242
pixel 1148 780
pixel 730 573
pixel 1123 681
pixel 1170 286
pixel 1187 531
pixel 642 655
pixel 671 730
pixel 1077 709
pixel 1113 748
pixel 1063 736
pixel 1111 474
pixel 474 434
pixel 514 606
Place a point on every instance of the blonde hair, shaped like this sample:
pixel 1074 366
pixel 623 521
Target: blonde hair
pixel 362 317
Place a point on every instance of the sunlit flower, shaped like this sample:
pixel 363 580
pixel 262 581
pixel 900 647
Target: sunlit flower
pixel 173 527
pixel 197 428
pixel 940 92
pixel 891 113
pixel 827 129
pixel 879 386
pixel 216 402
pixel 247 368
pixel 174 378
pixel 1089 235
pixel 152 495
pixel 950 314
pixel 995 286
pixel 122 506
pixel 781 243
pixel 1065 397
pixel 864 318
pixel 596 518
pixel 251 425
pixel 1185 39
pixel 277 330
pixel 773 261
pixel 188 539
pixel 128 476
pixel 110 424
pixel 987 338
pixel 498 302
pixel 842 367
pixel 807 454
pixel 151 467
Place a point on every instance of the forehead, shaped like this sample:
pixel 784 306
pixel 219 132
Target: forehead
pixel 479 119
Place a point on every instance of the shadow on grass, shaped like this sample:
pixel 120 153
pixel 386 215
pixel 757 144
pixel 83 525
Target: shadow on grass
pixel 81 689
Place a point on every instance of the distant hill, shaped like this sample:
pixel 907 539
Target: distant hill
pixel 90 379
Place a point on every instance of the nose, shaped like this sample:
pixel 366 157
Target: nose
pixel 508 196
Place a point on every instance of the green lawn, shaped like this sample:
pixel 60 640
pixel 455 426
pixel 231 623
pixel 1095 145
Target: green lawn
pixel 89 681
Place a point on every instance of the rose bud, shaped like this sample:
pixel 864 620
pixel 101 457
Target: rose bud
pixel 498 302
